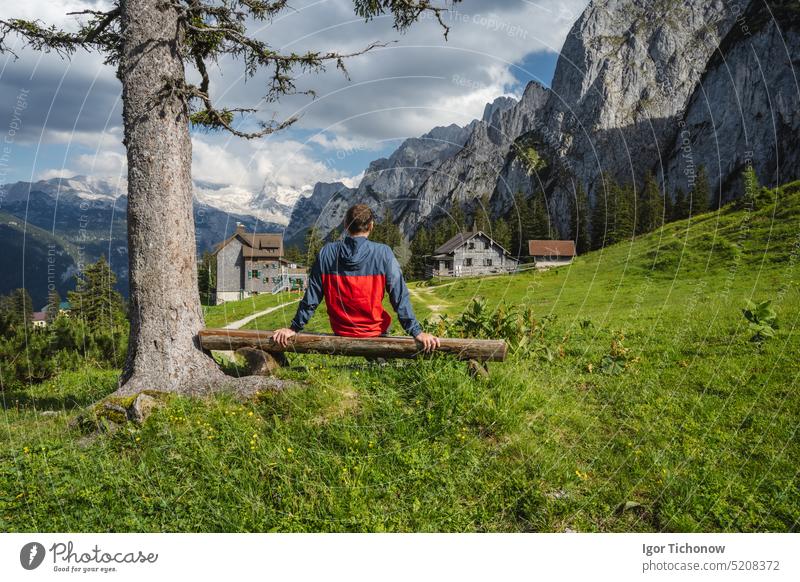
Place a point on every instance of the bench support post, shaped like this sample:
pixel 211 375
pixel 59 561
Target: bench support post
pixel 261 363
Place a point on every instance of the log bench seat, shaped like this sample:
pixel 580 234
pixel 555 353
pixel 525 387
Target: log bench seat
pixel 250 343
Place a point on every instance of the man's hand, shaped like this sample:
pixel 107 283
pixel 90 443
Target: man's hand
pixel 429 342
pixel 281 336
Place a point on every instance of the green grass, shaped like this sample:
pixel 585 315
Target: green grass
pixel 698 425
pixel 221 315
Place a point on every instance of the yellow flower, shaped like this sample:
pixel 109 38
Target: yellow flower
pixel 26 450
pixel 250 413
pixel 138 439
pixel 289 450
pixel 255 435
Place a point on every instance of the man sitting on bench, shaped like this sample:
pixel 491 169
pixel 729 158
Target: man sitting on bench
pixel 352 274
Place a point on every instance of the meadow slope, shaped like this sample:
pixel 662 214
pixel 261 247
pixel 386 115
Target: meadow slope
pixel 645 407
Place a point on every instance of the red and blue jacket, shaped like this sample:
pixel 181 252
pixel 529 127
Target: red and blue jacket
pixel 352 275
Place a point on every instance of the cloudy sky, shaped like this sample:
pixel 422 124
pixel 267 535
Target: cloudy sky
pixel 72 123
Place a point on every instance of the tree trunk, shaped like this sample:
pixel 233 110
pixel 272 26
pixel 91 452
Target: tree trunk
pixel 165 311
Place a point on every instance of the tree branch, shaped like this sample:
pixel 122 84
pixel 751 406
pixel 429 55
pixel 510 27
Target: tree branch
pixel 93 35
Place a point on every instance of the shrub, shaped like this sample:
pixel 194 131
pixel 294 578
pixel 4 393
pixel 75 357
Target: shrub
pixel 762 320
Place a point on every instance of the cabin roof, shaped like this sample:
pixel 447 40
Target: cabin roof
pixel 263 245
pixel 551 248
pixel 462 238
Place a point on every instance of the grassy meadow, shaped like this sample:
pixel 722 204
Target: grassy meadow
pixel 647 408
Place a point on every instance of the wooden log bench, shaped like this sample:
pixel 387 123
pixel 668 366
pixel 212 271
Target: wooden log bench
pixel 263 354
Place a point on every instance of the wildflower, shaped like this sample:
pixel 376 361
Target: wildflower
pixel 370 444
pixel 138 439
pixel 289 450
pixel 250 413
pixel 255 435
pixel 26 450
pixel 252 443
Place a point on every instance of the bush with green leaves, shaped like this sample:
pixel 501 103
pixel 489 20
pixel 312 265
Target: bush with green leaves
pixel 761 320
pixel 524 332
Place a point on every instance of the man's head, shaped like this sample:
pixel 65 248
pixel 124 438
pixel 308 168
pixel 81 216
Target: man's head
pixel 359 220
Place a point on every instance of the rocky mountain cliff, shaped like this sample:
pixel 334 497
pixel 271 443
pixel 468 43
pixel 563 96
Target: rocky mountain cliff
pixel 640 85
pixel 322 210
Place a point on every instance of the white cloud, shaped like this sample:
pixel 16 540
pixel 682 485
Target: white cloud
pixel 335 142
pixel 56 173
pixel 109 164
pixel 398 91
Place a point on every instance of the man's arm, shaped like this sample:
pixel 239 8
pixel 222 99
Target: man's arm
pixel 311 300
pixel 400 298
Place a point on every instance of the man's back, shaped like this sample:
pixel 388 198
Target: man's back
pixel 352 274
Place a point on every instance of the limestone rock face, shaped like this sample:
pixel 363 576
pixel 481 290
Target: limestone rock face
pixel 626 69
pixel 640 85
pixel 473 171
pixel 747 109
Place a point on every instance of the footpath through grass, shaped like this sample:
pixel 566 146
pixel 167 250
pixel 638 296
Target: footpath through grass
pixel 651 410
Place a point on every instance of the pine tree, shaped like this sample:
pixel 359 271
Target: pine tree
pixel 53 306
pixel 16 311
pixel 650 207
pixel 681 206
pixel 519 222
pixel 482 220
pixel 95 301
pixel 420 251
pixel 313 244
pixel 539 227
pixel 207 276
pixel 334 234
pixel 387 232
pixel 293 254
pixel 600 215
pixel 570 225
pixel 501 233
pixel 701 194
pixel 624 213
pixel 458 222
pixel 668 207
pixel 582 237
pixel 751 188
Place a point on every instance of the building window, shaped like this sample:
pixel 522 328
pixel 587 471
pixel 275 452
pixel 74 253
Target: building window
pixel 467 262
pixel 253 274
pixel 486 245
pixel 487 262
pixel 471 246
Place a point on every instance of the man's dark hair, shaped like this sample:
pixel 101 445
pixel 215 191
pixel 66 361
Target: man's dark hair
pixel 358 218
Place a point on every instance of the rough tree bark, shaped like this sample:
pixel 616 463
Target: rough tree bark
pixel 165 310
